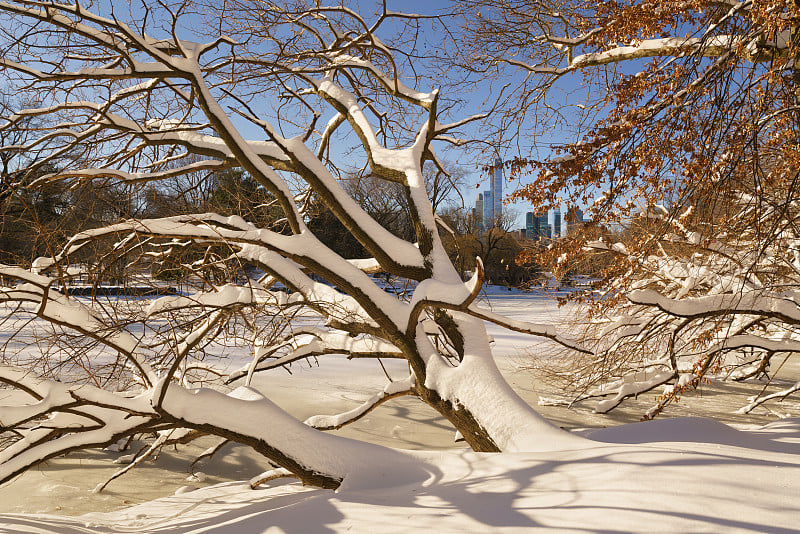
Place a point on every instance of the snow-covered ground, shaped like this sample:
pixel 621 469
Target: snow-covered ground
pixel 675 475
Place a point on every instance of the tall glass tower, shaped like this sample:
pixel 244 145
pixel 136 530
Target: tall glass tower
pixel 497 189
pixel 480 207
pixel 531 225
pixel 489 205
pixel 488 209
pixel 536 226
pixel 556 224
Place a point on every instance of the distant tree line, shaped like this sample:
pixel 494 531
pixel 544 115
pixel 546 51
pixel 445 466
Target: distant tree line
pixel 31 217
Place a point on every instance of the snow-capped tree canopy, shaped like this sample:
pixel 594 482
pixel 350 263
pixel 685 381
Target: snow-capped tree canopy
pixel 138 99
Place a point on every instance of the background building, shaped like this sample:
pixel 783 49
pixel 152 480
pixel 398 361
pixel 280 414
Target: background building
pixel 478 211
pixel 497 189
pixel 538 226
pixel 531 225
pixel 489 205
pixel 488 209
pixel 556 224
pixel 574 219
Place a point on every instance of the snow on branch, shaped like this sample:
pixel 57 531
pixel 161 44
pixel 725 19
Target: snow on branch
pixel 667 46
pixel 250 418
pixel 220 298
pixel 311 342
pixel 64 418
pixel 753 341
pixel 392 390
pixel 630 387
pixel 759 400
pixel 751 303
pixel 453 296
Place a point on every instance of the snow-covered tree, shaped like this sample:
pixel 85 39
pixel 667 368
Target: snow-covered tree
pixel 271 91
pixel 716 305
pixel 685 117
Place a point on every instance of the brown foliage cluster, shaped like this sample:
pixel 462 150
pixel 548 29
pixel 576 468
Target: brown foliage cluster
pixel 685 151
pixel 680 130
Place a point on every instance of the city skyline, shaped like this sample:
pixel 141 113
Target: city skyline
pixel 551 224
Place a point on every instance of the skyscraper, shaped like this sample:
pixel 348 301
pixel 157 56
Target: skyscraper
pixel 536 225
pixel 544 226
pixel 493 198
pixel 574 219
pixel 488 209
pixel 556 224
pixel 497 189
pixel 479 207
pixel 490 203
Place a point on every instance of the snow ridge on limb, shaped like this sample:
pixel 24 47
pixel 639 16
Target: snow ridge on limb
pixel 667 46
pixel 310 342
pixel 248 417
pixel 452 296
pixel 760 400
pixel 631 388
pixel 750 303
pixel 395 389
